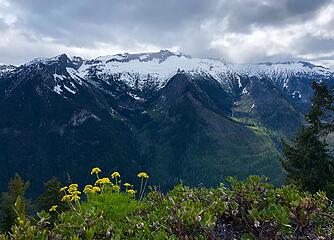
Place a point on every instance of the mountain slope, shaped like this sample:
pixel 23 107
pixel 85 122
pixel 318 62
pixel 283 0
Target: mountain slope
pixel 177 117
pixel 189 138
pixel 47 130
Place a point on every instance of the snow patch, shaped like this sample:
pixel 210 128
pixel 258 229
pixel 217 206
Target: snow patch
pixel 74 75
pixel 58 77
pixel 239 82
pixel 134 96
pixel 82 116
pixel 296 94
pixel 70 90
pixel 57 89
pixel 245 91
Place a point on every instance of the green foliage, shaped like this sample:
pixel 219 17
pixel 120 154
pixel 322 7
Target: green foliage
pixel 307 161
pixel 23 229
pixel 102 215
pixel 251 209
pixel 16 190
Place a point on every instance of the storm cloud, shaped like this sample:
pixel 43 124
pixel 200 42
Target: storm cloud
pixel 238 31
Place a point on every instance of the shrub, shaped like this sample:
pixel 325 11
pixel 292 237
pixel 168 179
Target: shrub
pixel 250 209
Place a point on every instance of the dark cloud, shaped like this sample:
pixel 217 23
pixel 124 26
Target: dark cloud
pixel 189 25
pixel 242 15
pixel 304 6
pixel 110 20
pixel 158 21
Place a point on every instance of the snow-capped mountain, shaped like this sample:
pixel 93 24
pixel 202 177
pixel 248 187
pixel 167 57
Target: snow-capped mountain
pixel 151 111
pixel 144 72
pixel 155 69
pixel 151 71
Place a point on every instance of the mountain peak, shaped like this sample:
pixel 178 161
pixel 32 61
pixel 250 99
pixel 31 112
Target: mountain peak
pixel 59 58
pixel 303 63
pixel 6 68
pixel 160 56
pixel 62 59
pixel 311 65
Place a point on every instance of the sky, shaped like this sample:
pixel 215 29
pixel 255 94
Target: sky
pixel 238 31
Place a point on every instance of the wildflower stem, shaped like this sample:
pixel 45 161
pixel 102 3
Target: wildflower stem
pixel 78 204
pixel 142 194
pixel 141 188
pixel 72 206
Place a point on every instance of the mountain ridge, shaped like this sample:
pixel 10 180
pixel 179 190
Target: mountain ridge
pixel 177 117
pixel 153 71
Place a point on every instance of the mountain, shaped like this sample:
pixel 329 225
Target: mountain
pixel 174 116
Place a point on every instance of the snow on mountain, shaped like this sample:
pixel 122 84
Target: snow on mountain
pixel 48 61
pixel 281 73
pixel 155 69
pixel 281 69
pixel 6 68
pixel 138 70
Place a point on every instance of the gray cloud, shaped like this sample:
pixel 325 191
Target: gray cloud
pixel 210 28
pixel 244 14
pixel 314 45
pixel 3 25
pixel 111 19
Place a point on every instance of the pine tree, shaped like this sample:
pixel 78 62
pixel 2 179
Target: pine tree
pixel 307 162
pixel 51 196
pixel 16 189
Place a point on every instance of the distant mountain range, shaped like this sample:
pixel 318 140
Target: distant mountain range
pixel 176 117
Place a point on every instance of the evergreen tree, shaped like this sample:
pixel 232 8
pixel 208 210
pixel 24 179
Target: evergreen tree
pixel 16 189
pixel 51 196
pixel 307 162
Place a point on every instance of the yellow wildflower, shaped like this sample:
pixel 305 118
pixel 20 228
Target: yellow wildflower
pixel 21 222
pixel 76 193
pixel 66 198
pixel 102 181
pixel 96 189
pixel 63 189
pixel 95 170
pixel 105 180
pixel 115 188
pixel 127 185
pixel 73 185
pixel 115 175
pixel 131 191
pixel 75 198
pixel 53 208
pixel 142 175
pixel 88 188
pixel 71 190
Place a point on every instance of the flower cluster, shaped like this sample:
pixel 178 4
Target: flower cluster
pixel 142 175
pixel 91 189
pixel 95 170
pixel 101 185
pixel 115 175
pixel 71 193
pixel 102 181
